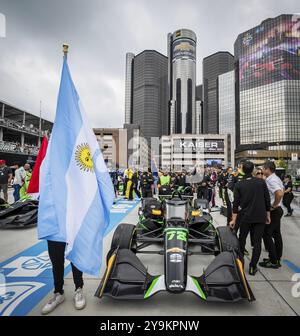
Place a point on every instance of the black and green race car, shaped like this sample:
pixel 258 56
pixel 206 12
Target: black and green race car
pixel 176 229
pixel 22 213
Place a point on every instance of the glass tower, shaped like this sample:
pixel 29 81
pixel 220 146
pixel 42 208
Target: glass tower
pixel 267 60
pixel 182 81
pixel 128 88
pixel 226 96
pixel 149 93
pixel 213 66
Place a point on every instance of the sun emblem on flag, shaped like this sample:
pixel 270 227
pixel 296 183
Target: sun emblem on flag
pixel 83 157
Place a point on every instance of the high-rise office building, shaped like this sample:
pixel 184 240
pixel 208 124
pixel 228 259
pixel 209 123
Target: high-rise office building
pixel 182 81
pixel 146 93
pixel 128 88
pixel 199 92
pixel 199 109
pixel 267 61
pixel 226 103
pixel 213 66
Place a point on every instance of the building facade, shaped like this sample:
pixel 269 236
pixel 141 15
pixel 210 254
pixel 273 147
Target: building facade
pixel 199 110
pixel 267 59
pixel 182 81
pixel 226 103
pixel 113 144
pixel 21 133
pixel 187 151
pixel 213 66
pixel 146 93
pixel 129 87
pixel 138 150
pixel 123 147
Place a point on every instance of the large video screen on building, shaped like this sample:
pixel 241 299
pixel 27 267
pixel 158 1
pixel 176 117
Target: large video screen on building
pixel 269 52
pixel 184 48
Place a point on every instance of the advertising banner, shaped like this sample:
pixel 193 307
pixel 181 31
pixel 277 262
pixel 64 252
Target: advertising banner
pixel 195 145
pixel 269 52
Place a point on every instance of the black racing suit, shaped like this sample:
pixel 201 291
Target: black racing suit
pixel 202 191
pixel 146 184
pixel 135 181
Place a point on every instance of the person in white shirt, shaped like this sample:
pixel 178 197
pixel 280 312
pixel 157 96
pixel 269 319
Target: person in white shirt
pixel 20 176
pixel 272 236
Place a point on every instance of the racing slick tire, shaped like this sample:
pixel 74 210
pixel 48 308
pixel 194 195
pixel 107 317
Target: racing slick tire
pixel 227 240
pixel 124 238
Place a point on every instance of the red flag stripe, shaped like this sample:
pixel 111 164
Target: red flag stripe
pixel 35 178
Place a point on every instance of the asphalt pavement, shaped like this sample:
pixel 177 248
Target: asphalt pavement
pixel 273 289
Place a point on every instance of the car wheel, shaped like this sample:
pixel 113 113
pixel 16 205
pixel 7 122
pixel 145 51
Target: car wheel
pixel 226 240
pixel 124 238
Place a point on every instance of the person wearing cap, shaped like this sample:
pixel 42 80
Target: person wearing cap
pixel 5 178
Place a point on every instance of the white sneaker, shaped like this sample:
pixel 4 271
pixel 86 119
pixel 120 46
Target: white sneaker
pixel 79 299
pixel 55 301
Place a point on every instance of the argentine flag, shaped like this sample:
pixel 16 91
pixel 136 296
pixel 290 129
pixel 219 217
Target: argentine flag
pixel 76 192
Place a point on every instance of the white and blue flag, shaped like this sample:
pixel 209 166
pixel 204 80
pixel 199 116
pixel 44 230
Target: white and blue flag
pixel 76 191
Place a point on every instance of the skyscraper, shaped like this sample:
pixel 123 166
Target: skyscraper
pixel 226 103
pixel 213 66
pixel 128 88
pixel 146 93
pixel 267 61
pixel 199 109
pixel 182 81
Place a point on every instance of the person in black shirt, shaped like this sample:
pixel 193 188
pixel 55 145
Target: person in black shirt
pixel 251 195
pixel 219 181
pixel 226 178
pixel 146 184
pixel 288 195
pixel 114 179
pixel 202 190
pixel 135 181
pixel 5 179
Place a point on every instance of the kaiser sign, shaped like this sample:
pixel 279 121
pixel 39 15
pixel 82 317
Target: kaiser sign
pixel 207 146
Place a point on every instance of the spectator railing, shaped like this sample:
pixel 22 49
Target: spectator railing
pixel 19 127
pixel 16 148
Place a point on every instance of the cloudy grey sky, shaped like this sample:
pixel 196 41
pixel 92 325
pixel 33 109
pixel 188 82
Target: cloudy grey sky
pixel 100 32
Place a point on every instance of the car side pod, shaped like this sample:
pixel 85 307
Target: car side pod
pixel 224 280
pixel 127 278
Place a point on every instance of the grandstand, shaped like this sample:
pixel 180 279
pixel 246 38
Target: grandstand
pixel 20 134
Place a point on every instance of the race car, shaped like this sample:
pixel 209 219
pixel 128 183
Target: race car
pixel 152 220
pixel 20 214
pixel 127 278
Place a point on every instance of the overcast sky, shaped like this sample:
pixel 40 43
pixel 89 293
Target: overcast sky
pixel 100 32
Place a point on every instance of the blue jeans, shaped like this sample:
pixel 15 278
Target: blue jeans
pixel 17 188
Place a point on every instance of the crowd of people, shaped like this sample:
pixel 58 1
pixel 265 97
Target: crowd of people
pixel 16 147
pixel 17 176
pixel 252 200
pixel 27 149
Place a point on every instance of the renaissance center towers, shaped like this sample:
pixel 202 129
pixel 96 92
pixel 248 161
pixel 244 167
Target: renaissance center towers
pixel 182 81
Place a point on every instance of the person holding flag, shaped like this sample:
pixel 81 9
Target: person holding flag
pixel 76 194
